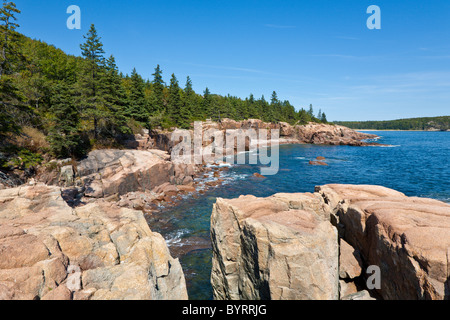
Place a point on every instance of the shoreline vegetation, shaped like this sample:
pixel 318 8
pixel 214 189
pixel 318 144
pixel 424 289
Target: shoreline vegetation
pixel 441 123
pixel 55 105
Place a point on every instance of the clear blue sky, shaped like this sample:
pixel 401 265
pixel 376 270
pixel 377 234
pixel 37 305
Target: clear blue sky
pixel 318 52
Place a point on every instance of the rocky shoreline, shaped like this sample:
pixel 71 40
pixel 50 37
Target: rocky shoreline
pixel 322 245
pixel 88 216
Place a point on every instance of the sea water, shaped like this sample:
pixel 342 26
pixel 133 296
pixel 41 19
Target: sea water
pixel 415 163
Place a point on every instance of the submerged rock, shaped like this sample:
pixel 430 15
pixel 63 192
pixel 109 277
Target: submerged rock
pixel 318 163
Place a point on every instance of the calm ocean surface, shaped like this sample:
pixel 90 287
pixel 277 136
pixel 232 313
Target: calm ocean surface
pixel 417 164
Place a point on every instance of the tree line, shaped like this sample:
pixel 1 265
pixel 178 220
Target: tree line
pixel 76 103
pixel 429 123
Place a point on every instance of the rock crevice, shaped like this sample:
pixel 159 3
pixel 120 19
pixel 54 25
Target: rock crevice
pixel 287 247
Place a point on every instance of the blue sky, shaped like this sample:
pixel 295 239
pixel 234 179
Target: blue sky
pixel 311 52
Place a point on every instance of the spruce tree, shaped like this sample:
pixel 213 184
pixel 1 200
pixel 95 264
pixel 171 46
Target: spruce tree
pixel 91 103
pixel 319 115
pixel 189 99
pixel 64 135
pixel 115 99
pixel 137 103
pixel 11 99
pixel 157 96
pixel 176 109
pixel 311 112
pixel 8 39
pixel 207 103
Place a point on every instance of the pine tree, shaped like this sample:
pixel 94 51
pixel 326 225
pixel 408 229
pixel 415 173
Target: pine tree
pixel 137 108
pixel 189 99
pixel 303 117
pixel 176 109
pixel 252 107
pixel 319 115
pixel 8 39
pixel 91 103
pixel 64 135
pixel 157 97
pixel 323 118
pixel 11 99
pixel 311 112
pixel 115 99
pixel 207 103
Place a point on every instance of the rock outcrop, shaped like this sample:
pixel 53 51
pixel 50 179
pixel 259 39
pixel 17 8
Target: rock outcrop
pixel 407 237
pixel 315 133
pixel 281 247
pixel 109 172
pixel 49 250
pixel 311 133
pixel 121 174
pixel 285 246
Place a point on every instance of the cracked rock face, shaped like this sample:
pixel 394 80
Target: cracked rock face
pixel 51 251
pixel 281 247
pixel 407 237
pixel 284 246
pixel 109 172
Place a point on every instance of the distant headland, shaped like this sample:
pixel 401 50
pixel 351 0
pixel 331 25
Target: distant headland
pixel 412 124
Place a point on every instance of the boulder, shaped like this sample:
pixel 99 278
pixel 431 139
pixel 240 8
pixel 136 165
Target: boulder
pixel 346 288
pixel 49 250
pixel 66 176
pixel 257 175
pixel 329 134
pixel 408 238
pixel 360 295
pixel 350 263
pixel 273 248
pixel 318 163
pixel 108 172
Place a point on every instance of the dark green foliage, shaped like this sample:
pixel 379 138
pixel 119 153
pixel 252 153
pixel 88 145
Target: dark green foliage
pixel 64 136
pixel 157 96
pixel 433 123
pixel 207 109
pixel 90 80
pixel 8 37
pixel 25 159
pixel 71 100
pixel 11 105
pixel 137 103
pixel 177 110
pixel 115 100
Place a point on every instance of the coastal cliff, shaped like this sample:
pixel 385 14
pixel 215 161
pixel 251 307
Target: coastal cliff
pixel 319 246
pixel 281 247
pixel 311 133
pixel 51 251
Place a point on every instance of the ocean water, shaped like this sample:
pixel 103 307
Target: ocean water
pixel 415 163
